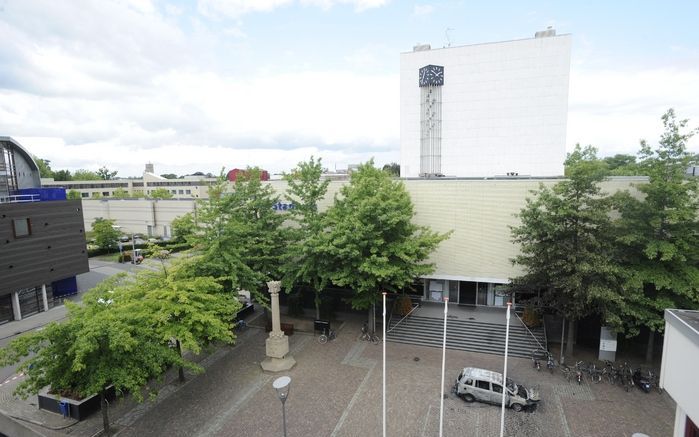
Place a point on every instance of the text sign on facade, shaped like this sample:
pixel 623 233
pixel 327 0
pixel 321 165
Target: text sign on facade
pixel 607 345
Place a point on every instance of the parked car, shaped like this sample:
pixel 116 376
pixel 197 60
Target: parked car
pixel 124 238
pixel 483 385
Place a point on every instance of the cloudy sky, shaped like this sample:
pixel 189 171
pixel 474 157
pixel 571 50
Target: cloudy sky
pixel 196 85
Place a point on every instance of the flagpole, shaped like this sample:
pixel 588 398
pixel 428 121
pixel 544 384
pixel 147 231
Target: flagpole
pixel 444 356
pixel 384 363
pixel 504 373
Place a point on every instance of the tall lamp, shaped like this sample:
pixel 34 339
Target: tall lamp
pixel 282 385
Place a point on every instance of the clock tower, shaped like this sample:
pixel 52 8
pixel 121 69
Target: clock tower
pixel 430 81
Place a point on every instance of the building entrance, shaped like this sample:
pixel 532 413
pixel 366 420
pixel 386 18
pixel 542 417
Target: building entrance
pixel 468 292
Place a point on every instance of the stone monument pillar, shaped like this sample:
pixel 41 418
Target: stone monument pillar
pixel 277 344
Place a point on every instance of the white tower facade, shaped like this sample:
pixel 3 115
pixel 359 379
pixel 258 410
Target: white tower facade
pixel 485 110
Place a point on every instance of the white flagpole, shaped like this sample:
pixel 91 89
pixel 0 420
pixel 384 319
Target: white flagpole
pixel 504 373
pixel 444 357
pixel 384 364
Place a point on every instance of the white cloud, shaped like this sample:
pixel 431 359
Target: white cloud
pixel 614 109
pixel 237 8
pixel 422 10
pixel 359 5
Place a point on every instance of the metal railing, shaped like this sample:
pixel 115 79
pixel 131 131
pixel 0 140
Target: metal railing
pixel 415 306
pixel 530 332
pixel 20 198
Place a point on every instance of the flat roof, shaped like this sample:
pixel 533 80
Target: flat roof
pixel 686 321
pixel 432 49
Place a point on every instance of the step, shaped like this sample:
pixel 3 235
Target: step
pixel 467 335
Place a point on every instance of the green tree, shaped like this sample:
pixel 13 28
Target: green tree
pixel 99 345
pixel 622 165
pixel 183 227
pixel 659 232
pixel 73 195
pixel 104 173
pixel 192 311
pixel 305 190
pixel 96 195
pixel 62 175
pixel 240 234
pixel 565 244
pixel 120 193
pixel 106 236
pixel 370 243
pixel 44 167
pixel 160 193
pixel 393 169
pixel 85 175
pixel 169 176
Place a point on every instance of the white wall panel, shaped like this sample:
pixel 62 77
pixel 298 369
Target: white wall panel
pixel 504 107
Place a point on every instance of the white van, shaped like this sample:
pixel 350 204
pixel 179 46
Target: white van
pixel 482 385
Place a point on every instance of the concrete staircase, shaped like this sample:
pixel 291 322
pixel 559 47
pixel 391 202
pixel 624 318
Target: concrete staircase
pixel 467 335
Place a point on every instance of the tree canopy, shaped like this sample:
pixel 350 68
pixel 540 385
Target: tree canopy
pixel 85 175
pixel 106 237
pixel 565 243
pixel 369 242
pixel 240 235
pixel 160 193
pixel 658 231
pixel 305 190
pixel 105 174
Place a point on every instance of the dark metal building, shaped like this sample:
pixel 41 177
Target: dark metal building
pixel 42 237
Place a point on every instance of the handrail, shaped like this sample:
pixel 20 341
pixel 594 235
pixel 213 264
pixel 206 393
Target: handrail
pixel 530 332
pixel 20 198
pixel 415 306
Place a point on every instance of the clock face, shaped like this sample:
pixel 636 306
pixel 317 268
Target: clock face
pixel 431 75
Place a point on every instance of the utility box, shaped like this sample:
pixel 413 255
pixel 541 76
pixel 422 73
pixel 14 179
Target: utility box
pixel 607 344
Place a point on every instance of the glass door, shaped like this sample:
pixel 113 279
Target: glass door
pixel 467 292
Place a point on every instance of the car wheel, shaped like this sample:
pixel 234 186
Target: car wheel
pixel 517 407
pixel 468 397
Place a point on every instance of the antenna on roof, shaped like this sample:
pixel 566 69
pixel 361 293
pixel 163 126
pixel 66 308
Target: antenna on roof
pixel 446 32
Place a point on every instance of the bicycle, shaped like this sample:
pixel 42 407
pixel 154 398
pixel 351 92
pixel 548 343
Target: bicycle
pixel 328 335
pixel 240 325
pixel 369 336
pixel 567 373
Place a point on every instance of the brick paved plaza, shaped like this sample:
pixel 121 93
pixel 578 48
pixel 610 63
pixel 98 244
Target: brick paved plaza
pixel 336 391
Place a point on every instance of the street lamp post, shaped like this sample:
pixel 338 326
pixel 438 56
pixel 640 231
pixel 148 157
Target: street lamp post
pixel 504 373
pixel 282 385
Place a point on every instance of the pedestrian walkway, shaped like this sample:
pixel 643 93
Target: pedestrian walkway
pixel 336 391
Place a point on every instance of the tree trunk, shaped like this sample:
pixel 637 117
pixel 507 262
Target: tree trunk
pixel 105 412
pixel 649 346
pixel 317 302
pixel 370 319
pixel 571 337
pixel 181 369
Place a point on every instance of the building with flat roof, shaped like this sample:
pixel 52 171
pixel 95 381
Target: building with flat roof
pixel 42 237
pixel 188 187
pixel 484 110
pixel 678 373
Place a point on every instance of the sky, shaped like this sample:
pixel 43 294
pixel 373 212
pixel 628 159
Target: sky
pixel 202 85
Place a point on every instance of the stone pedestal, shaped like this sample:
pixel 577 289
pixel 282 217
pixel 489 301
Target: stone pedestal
pixel 277 345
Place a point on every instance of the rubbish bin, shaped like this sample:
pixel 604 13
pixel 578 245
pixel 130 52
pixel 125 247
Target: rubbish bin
pixel 321 325
pixel 64 406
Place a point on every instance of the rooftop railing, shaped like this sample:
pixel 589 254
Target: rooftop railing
pixel 20 198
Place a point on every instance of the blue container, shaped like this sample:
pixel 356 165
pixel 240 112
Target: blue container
pixel 65 287
pixel 45 194
pixel 65 408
